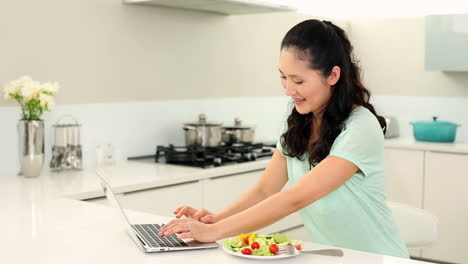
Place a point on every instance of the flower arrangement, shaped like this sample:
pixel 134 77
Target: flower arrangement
pixel 34 97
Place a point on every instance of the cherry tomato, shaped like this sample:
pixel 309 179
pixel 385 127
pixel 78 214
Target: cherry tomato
pixel 274 248
pixel 255 245
pixel 299 247
pixel 246 240
pixel 247 251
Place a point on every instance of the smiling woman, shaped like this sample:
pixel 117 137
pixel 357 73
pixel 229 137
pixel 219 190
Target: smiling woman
pixel 331 153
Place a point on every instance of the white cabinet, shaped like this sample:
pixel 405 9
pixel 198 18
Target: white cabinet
pixel 214 194
pixel 164 200
pixel 298 233
pixel 446 39
pixel 160 201
pixel 404 172
pixel 446 195
pixel 221 7
pixel 438 183
pixel 222 191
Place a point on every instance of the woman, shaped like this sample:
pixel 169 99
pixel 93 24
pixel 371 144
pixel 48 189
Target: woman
pixel 331 152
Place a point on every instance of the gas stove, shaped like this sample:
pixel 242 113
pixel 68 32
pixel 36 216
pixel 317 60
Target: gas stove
pixel 207 157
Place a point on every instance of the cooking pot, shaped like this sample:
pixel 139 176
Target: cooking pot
pixel 238 133
pixel 203 134
pixel 434 131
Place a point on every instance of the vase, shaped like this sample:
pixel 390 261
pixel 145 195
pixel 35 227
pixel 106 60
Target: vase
pixel 31 147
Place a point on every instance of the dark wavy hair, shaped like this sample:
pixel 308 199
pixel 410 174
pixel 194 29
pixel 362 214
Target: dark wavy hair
pixel 324 45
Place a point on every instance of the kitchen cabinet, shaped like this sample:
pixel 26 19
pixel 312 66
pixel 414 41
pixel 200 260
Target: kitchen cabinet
pixel 231 187
pixel 223 7
pixel 404 170
pixel 435 181
pixel 298 233
pixel 213 194
pixel 446 41
pixel 162 200
pixel 221 191
pixel 445 195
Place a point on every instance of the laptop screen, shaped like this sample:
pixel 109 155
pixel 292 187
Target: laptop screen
pixel 113 200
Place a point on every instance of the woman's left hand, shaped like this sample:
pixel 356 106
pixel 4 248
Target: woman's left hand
pixel 190 228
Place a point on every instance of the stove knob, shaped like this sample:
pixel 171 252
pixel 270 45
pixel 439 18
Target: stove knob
pixel 217 161
pixel 248 156
pixel 254 156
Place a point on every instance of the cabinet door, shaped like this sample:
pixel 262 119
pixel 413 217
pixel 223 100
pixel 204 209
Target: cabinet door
pixel 445 195
pixel 164 200
pixel 404 173
pixel 445 42
pixel 222 191
pixel 404 176
pixel 298 233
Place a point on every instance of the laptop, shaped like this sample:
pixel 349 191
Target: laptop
pixel 146 235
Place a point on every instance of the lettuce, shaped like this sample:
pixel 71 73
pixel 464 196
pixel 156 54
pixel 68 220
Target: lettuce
pixel 233 244
pixel 280 238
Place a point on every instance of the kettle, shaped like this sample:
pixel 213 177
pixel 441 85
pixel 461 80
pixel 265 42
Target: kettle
pixel 392 128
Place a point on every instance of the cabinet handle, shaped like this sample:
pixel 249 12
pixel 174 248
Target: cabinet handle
pixel 230 175
pixel 160 187
pixel 447 152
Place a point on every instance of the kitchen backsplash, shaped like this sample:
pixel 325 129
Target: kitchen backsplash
pixel 135 128
pixel 413 108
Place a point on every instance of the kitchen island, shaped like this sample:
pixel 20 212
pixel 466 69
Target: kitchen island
pixel 44 220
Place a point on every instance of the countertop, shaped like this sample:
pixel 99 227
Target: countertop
pixel 43 220
pixel 410 143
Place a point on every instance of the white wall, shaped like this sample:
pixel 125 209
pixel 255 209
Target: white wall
pixel 391 52
pixel 105 51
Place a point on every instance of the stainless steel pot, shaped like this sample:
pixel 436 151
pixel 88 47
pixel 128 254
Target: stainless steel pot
pixel 203 133
pixel 238 133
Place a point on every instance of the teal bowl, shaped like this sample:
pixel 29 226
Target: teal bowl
pixel 434 131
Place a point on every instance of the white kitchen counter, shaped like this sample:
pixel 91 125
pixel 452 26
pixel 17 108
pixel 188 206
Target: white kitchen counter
pixel 44 222
pixel 410 143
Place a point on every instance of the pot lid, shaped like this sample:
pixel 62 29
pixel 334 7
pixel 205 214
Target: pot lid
pixel 237 125
pixel 435 122
pixel 202 122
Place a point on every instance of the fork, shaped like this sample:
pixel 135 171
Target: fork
pixel 291 250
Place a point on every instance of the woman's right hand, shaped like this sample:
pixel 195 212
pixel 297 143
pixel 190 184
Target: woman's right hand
pixel 201 215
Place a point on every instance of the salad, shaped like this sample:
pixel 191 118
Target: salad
pixel 259 245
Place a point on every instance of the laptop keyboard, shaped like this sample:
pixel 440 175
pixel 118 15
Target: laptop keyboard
pixel 150 234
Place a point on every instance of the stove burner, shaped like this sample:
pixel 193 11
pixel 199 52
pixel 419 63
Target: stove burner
pixel 205 157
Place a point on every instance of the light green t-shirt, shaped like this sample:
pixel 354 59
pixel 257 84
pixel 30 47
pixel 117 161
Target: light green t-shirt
pixel 355 215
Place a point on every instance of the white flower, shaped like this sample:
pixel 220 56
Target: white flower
pixel 14 87
pixel 9 90
pixel 32 96
pixel 50 88
pixel 30 90
pixel 46 101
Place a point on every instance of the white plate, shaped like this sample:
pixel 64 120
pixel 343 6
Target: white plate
pixel 259 257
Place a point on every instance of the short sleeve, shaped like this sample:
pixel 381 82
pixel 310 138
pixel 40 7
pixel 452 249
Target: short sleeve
pixel 361 142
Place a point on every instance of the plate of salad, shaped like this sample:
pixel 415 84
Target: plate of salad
pixel 257 246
